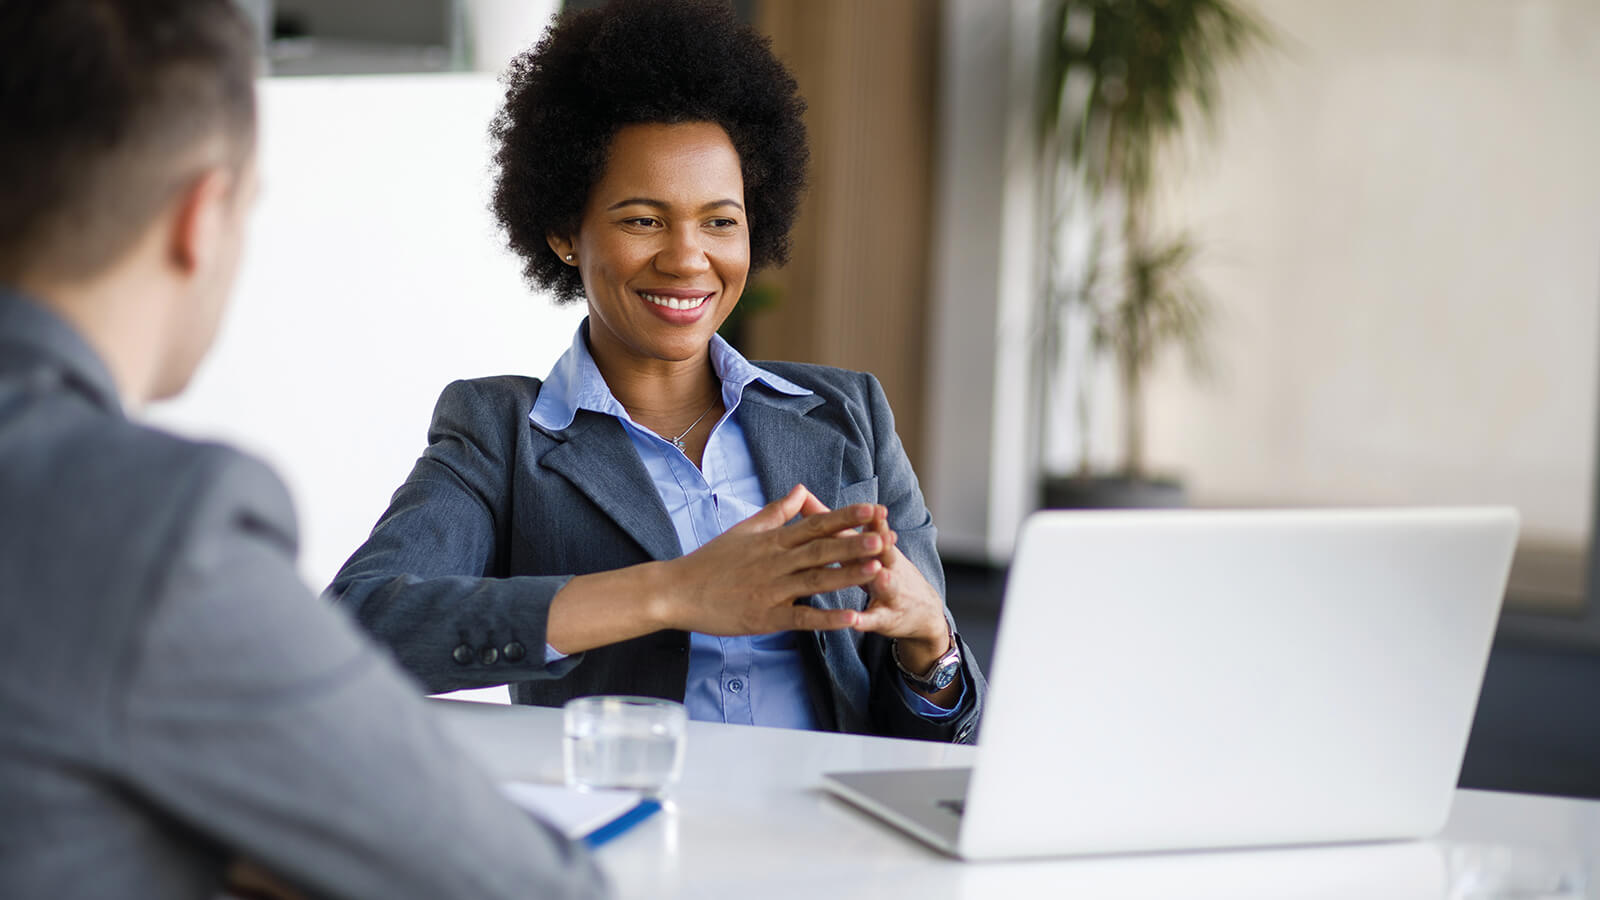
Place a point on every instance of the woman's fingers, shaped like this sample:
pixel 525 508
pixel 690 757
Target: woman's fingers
pixel 812 506
pixel 826 524
pixel 781 510
pixel 809 618
pixel 801 502
pixel 851 547
pixel 876 618
pixel 824 579
pixel 880 527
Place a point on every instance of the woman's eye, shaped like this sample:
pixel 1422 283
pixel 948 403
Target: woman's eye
pixel 723 223
pixel 640 222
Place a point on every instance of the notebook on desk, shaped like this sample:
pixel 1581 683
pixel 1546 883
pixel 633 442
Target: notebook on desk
pixel 591 817
pixel 1177 680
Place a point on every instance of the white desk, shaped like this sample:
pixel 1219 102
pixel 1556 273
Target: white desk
pixel 750 822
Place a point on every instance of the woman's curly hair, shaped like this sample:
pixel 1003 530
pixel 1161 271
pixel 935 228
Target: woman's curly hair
pixel 634 62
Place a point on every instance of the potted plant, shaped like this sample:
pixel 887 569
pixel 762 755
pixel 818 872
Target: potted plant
pixel 1122 80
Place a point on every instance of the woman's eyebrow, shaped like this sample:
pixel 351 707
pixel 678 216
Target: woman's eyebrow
pixel 663 205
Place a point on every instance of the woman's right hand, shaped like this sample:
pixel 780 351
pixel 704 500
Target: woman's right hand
pixel 741 583
pixel 745 581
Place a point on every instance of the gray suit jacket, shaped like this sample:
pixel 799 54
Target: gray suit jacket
pixel 171 695
pixel 499 513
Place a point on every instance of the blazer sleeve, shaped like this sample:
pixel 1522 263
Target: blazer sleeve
pixel 428 583
pixel 261 718
pixel 918 538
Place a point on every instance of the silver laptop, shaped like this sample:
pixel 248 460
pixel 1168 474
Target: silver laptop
pixel 1182 680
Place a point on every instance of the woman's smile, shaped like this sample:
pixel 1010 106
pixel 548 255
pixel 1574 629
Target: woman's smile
pixel 677 306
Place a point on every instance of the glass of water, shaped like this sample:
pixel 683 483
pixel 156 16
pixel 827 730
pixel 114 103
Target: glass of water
pixel 631 743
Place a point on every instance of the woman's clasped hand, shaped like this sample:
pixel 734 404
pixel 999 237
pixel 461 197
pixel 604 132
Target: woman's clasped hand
pixel 745 581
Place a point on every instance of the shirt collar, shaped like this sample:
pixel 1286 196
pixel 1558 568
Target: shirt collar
pixel 575 383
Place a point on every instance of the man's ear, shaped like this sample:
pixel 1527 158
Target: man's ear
pixel 562 245
pixel 199 220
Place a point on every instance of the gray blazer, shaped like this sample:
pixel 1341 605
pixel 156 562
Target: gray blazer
pixel 172 696
pixel 499 513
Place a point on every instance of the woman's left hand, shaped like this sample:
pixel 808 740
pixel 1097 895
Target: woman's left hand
pixel 902 604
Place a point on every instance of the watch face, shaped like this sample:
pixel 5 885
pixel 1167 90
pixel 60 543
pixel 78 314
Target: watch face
pixel 944 672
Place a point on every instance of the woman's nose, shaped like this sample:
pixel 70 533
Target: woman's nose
pixel 684 254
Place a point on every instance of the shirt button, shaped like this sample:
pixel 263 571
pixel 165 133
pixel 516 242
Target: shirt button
pixel 513 652
pixel 462 654
pixel 736 685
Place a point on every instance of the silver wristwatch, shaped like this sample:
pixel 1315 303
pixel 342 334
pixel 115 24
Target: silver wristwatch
pixel 941 675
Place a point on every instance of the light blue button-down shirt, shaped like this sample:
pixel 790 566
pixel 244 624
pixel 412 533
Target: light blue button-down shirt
pixel 758 680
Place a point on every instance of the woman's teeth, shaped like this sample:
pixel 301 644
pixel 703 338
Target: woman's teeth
pixel 674 302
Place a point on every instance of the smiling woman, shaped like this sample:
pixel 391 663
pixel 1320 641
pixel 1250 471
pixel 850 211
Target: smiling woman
pixel 659 515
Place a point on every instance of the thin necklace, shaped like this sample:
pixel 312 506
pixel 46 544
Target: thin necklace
pixel 678 441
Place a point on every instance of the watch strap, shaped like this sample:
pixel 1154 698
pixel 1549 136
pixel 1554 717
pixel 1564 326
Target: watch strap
pixel 928 682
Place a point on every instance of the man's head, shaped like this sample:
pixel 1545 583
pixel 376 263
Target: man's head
pixel 127 143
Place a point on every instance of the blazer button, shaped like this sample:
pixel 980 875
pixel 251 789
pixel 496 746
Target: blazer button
pixel 462 654
pixel 489 655
pixel 513 652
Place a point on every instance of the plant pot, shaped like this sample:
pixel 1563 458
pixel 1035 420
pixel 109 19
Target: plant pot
pixel 1111 492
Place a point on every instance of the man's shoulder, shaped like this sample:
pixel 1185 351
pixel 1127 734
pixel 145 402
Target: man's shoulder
pixel 157 468
pixel 105 518
pixel 97 483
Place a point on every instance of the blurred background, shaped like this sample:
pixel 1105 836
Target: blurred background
pixel 1358 263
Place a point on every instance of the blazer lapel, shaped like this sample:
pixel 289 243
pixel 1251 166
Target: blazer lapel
pixel 595 455
pixel 789 447
pixel 786 445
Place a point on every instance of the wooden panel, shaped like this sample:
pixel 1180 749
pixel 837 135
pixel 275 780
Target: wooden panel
pixel 855 291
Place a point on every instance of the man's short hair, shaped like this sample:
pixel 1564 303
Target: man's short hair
pixel 107 109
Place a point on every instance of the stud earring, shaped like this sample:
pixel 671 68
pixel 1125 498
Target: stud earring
pixel 569 257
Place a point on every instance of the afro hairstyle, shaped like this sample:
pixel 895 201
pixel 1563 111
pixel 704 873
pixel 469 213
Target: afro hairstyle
pixel 637 62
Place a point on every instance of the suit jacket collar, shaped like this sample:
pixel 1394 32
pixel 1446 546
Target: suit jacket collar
pixel 575 409
pixel 40 345
pixel 787 443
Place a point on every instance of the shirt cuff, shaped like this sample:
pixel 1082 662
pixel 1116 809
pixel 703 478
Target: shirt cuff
pixel 551 655
pixel 926 708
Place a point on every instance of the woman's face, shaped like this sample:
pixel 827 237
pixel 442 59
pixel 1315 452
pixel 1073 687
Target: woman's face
pixel 664 245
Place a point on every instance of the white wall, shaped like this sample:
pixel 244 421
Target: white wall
pixel 1402 218
pixel 374 277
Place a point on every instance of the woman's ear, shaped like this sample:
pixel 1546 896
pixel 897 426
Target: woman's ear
pixel 562 245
